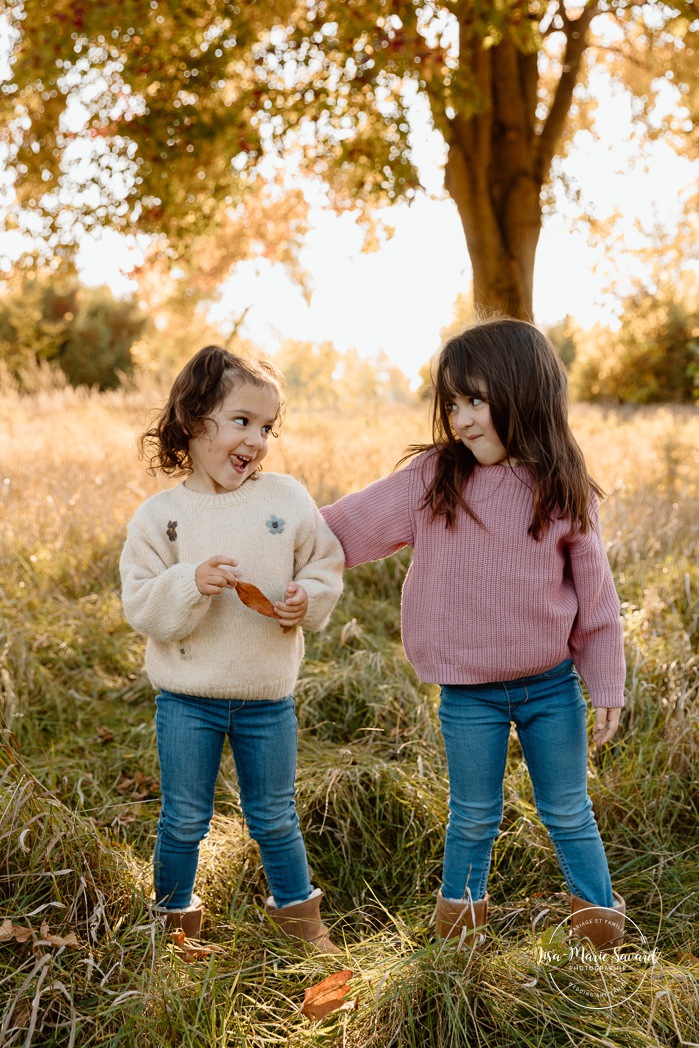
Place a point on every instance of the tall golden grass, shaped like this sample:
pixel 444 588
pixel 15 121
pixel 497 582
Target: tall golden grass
pixel 78 793
pixel 68 452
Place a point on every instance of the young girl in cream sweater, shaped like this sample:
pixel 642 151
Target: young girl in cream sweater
pixel 222 669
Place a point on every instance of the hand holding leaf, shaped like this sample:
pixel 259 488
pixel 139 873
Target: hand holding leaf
pixel 292 610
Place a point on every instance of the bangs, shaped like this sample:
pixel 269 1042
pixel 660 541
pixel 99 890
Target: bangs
pixel 460 381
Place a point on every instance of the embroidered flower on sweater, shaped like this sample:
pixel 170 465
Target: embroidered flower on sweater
pixel 172 530
pixel 276 524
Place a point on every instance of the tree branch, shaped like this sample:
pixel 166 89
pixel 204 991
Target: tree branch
pixel 576 44
pixel 236 326
pixel 551 28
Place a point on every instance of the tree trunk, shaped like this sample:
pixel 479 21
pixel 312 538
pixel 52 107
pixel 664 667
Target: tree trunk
pixel 501 236
pixel 499 159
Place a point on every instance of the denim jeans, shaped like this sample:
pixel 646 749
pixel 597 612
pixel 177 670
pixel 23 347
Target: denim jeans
pixel 191 733
pixel 549 713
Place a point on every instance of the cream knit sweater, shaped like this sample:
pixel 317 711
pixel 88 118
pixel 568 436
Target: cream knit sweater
pixel 215 646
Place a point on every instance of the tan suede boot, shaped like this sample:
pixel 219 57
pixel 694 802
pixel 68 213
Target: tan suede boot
pixel 452 917
pixel 601 925
pixel 301 920
pixel 188 919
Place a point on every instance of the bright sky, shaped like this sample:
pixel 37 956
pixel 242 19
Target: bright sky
pixel 397 299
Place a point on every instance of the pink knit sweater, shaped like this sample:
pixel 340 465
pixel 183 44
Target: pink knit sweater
pixel 490 603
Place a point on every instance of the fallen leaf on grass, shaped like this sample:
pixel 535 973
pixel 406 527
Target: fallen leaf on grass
pixel 58 940
pixel 139 787
pixel 124 818
pixel 105 734
pixel 255 599
pixel 328 996
pixel 10 932
pixel 189 949
pixel 16 932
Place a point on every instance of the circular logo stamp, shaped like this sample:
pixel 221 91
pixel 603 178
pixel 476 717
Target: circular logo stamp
pixel 590 977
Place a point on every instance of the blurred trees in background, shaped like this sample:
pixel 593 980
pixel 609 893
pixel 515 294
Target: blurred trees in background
pixel 652 357
pixel 321 376
pixel 161 118
pixel 98 340
pixel 86 332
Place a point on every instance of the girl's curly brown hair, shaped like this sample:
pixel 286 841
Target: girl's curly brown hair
pixel 201 386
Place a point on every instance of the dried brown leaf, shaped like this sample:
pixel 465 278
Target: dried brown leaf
pixel 140 787
pixel 328 996
pixel 255 599
pixel 10 932
pixel 189 949
pixel 58 940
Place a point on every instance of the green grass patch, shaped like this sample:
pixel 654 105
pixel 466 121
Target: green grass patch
pixel 79 804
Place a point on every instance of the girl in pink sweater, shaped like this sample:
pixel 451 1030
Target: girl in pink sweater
pixel 509 597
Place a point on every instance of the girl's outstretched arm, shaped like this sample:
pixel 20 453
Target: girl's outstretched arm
pixel 378 520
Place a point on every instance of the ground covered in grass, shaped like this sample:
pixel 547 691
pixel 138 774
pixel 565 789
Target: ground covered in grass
pixel 82 962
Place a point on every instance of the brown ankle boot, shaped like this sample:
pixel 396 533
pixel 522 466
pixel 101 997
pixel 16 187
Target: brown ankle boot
pixel 188 919
pixel 603 926
pixel 301 920
pixel 451 918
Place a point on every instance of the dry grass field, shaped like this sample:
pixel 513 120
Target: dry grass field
pixel 78 772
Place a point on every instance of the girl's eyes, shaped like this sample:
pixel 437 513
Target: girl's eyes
pixel 475 402
pixel 243 421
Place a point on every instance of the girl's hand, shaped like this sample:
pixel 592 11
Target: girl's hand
pixel 606 724
pixel 214 575
pixel 293 610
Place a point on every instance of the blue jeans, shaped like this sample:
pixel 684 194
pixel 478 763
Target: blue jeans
pixel 549 713
pixel 191 732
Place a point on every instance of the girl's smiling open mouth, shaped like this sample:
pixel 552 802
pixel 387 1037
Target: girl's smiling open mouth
pixel 240 462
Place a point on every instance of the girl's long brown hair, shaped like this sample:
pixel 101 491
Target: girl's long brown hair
pixel 526 388
pixel 200 388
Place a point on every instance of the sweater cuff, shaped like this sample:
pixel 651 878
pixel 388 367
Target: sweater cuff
pixel 609 699
pixel 321 601
pixel 191 593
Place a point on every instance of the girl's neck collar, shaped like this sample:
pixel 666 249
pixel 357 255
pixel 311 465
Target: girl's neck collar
pixel 223 498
